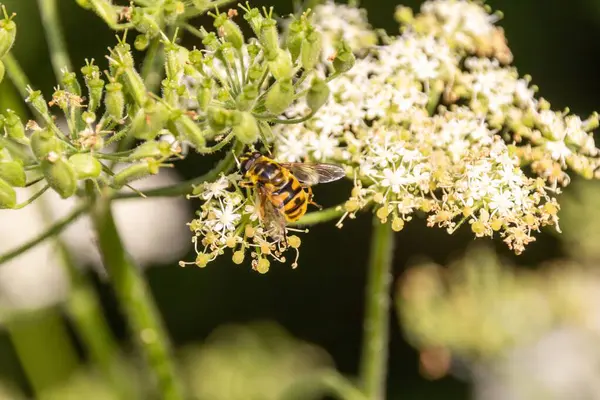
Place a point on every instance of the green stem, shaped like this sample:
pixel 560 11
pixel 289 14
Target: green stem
pixel 18 78
pixel 373 368
pixel 51 231
pixel 317 217
pixel 59 57
pixel 186 187
pixel 153 65
pixel 134 296
pixel 322 383
pixel 84 309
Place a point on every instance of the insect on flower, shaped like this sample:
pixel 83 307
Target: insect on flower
pixel 283 190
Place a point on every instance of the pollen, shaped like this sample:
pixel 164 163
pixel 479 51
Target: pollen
pixel 263 265
pixel 230 242
pixel 397 224
pixel 351 205
pixel 249 231
pixel 238 257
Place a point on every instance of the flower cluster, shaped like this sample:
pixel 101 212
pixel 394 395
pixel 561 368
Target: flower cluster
pixel 434 121
pixel 229 218
pixel 479 307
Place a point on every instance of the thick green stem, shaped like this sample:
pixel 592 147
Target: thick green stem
pixel 85 310
pixel 59 57
pixel 317 217
pixel 136 301
pixel 373 368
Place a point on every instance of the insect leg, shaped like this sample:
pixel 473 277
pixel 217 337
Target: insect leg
pixel 311 198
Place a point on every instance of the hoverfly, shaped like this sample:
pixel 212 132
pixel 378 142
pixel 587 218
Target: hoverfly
pixel 284 189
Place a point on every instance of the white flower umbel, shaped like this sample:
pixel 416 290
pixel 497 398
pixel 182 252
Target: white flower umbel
pixel 230 218
pixel 435 121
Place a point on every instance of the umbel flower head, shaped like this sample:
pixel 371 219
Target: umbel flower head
pixel 435 121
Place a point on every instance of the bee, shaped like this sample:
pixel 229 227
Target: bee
pixel 284 189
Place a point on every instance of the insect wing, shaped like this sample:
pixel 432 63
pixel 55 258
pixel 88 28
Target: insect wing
pixel 313 173
pixel 271 217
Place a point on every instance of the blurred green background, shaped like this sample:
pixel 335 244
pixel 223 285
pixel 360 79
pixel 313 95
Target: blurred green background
pixel 322 301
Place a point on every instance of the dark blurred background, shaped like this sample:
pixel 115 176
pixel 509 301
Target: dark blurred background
pixel 322 301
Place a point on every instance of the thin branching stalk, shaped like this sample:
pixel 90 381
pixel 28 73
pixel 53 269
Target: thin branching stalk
pixel 136 300
pixel 48 233
pixel 59 57
pixel 17 77
pixel 373 368
pixel 317 217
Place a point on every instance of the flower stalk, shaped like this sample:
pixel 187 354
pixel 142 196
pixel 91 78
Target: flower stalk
pixel 135 298
pixel 373 368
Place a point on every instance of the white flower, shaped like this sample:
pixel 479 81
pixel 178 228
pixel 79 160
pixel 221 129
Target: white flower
pixel 225 218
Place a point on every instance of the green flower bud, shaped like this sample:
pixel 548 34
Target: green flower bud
pixel 8 196
pixel 14 127
pixel 150 149
pixel 245 100
pixel 177 57
pixel 295 38
pixel 114 100
pixel 280 96
pixel 281 66
pixel 88 117
pixel 135 171
pixel 85 166
pixel 311 49
pixel 13 173
pixel 217 118
pixel 148 121
pixel 317 94
pixel 269 37
pixel 190 131
pixel 255 72
pixel 246 129
pixel 8 32
pixel 60 176
pixel 230 30
pixel 134 84
pixel 43 142
pixel 204 97
pixel 145 22
pixel 37 101
pixel 105 10
pixel 172 9
pixel 69 81
pixel 344 59
pixel 196 58
pixel 254 18
pixel 141 42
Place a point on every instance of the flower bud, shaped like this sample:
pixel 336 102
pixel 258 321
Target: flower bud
pixel 172 9
pixel 246 129
pixel 43 142
pixel 255 72
pixel 85 166
pixel 60 176
pixel 189 130
pixel 255 19
pixel 36 99
pixel 89 117
pixel 238 257
pixel 145 22
pixel 204 97
pixel 217 118
pixel 134 84
pixel 231 31
pixel 269 37
pixel 135 172
pixel 281 65
pixel 318 94
pixel 196 58
pixel 148 121
pixel 8 32
pixel 280 96
pixel 95 91
pixel 8 196
pixel 69 81
pixel 14 127
pixel 141 42
pixel 114 100
pixel 149 149
pixel 295 38
pixel 13 173
pixel 311 49
pixel 262 266
pixel 404 15
pixel 344 59
pixel 105 10
pixel 177 56
pixel 245 100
